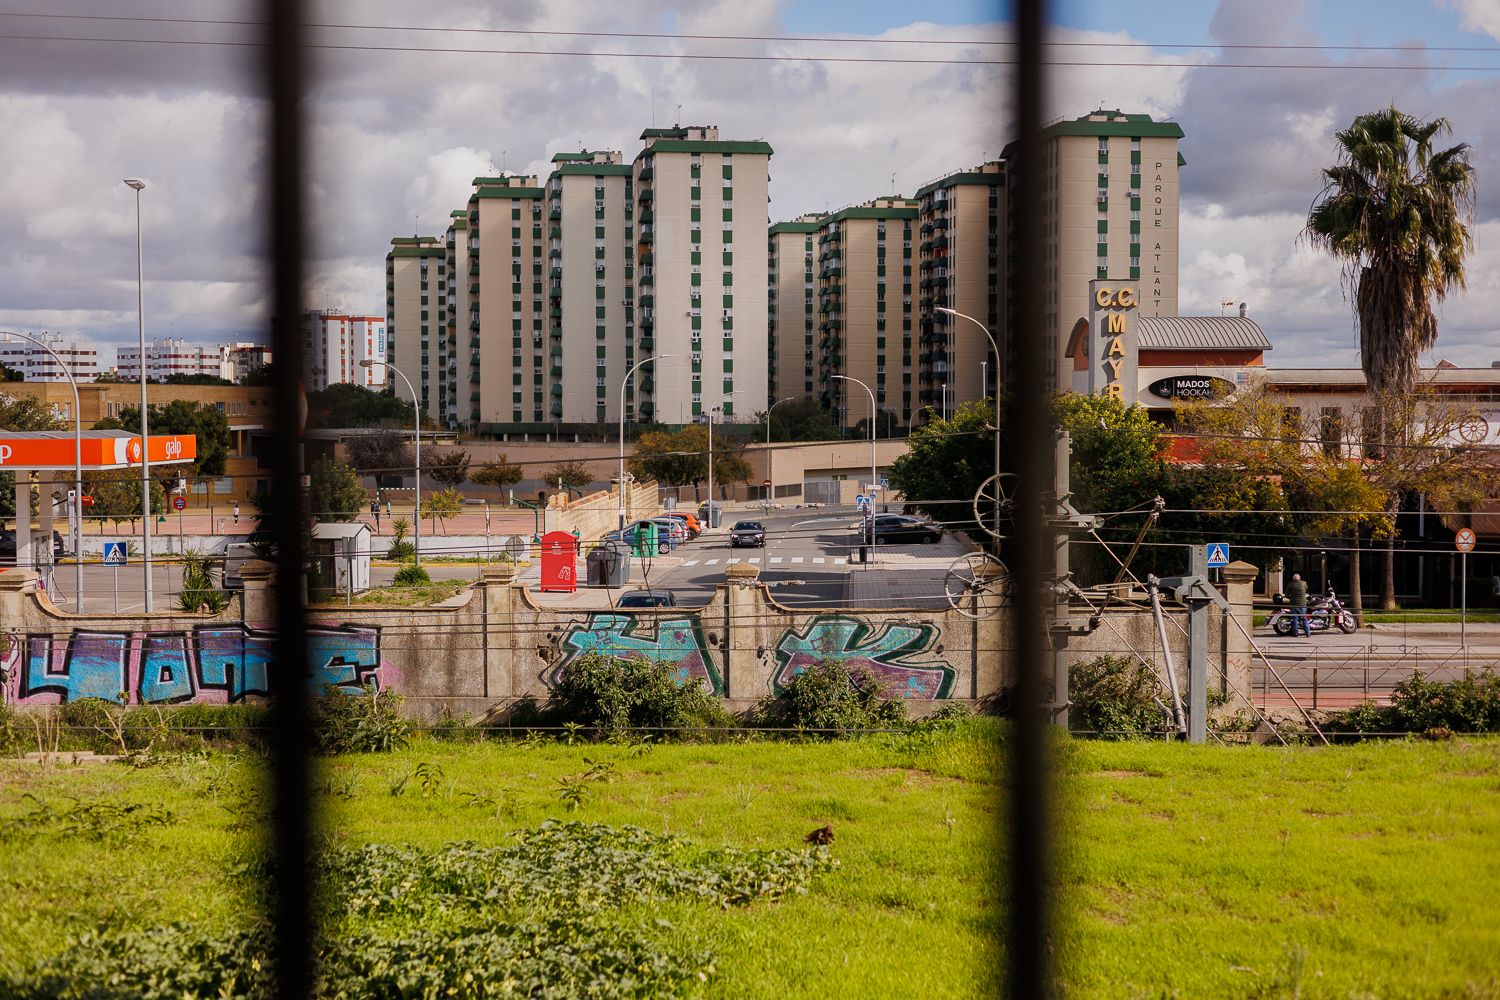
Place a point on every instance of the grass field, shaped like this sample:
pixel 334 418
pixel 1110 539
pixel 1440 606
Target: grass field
pixel 1359 871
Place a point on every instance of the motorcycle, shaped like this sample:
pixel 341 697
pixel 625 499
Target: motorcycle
pixel 1323 612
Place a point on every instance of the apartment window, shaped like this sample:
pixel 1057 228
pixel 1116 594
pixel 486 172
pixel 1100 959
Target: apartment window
pixel 728 194
pixel 1103 144
pixel 695 214
pixel 1331 428
pixel 728 171
pixel 695 193
pixel 728 215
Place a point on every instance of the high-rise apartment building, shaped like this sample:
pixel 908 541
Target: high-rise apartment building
pixel 1109 211
pixel 243 357
pixel 334 343
pixel 962 237
pixel 36 365
pixel 507 308
pixel 416 321
pixel 865 313
pixel 461 344
pixel 792 334
pixel 590 282
pixel 701 222
pixel 171 356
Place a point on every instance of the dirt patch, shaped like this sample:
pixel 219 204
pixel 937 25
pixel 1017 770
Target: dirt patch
pixel 908 777
pixel 71 757
pixel 1124 774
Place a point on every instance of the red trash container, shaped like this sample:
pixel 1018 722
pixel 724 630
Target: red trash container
pixel 559 562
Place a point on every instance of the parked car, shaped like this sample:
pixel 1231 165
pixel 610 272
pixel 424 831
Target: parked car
pixel 904 528
pixel 8 546
pixel 646 599
pixel 718 509
pixel 676 527
pixel 694 526
pixel 751 533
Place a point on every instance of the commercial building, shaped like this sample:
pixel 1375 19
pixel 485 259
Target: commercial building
pixel 1109 211
pixel 701 223
pixel 962 232
pixel 416 320
pixel 37 365
pixel 791 329
pixel 335 343
pixel 865 310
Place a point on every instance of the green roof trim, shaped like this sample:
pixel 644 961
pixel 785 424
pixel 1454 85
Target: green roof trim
pixel 1134 127
pixel 677 132
pixel 593 170
pixel 460 223
pixel 512 193
pixel 565 157
pixel 795 227
pixel 458 213
pixel 866 212
pixel 705 146
pixel 407 241
pixel 995 178
pixel 1180 161
pixel 417 252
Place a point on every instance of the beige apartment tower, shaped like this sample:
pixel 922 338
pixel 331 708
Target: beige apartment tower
pixel 791 326
pixel 459 342
pixel 700 246
pixel 865 309
pixel 590 272
pixel 1110 212
pixel 416 308
pixel 962 233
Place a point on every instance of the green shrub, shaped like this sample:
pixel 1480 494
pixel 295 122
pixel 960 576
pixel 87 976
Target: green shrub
pixel 412 576
pixel 614 694
pixel 400 549
pixel 829 698
pixel 198 590
pixel 1468 705
pixel 455 728
pixel 1366 717
pixel 368 723
pixel 1113 696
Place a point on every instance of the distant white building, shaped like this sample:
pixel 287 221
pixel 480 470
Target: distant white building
pixel 336 343
pixel 36 365
pixel 170 356
pixel 243 358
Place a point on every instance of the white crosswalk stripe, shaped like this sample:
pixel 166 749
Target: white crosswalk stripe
pixel 796 559
pixel 775 559
pixel 691 562
pixel 818 560
pixel 711 562
pixel 755 560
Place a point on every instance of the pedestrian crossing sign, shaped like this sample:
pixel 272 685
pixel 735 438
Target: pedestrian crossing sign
pixel 1218 554
pixel 114 553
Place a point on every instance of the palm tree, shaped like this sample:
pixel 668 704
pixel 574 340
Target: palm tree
pixel 1397 214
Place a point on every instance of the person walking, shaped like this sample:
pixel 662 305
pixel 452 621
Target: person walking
pixel 375 512
pixel 1296 593
pixel 236 513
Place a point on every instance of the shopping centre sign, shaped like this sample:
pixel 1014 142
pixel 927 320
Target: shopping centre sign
pixel 1112 353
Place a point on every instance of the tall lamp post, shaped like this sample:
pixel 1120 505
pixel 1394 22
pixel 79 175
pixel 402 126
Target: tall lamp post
pixel 623 383
pixel 711 412
pixel 77 475
pixel 996 346
pixel 416 405
pixel 771 490
pixel 873 481
pixel 140 312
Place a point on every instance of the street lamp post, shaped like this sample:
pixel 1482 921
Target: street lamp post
pixel 140 312
pixel 77 477
pixel 416 405
pixel 623 383
pixel 873 480
pixel 770 490
pixel 996 346
pixel 711 413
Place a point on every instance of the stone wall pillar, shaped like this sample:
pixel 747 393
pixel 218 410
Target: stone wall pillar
pixel 1239 590
pixel 742 621
pixel 17 586
pixel 499 632
pixel 259 608
pixel 991 657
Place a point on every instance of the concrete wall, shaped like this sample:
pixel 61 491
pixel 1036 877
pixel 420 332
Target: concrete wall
pixel 597 513
pixel 500 647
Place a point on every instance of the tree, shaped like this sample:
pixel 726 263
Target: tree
pixel 451 467
pixel 1396 213
pixel 259 375
pixel 9 374
pixel 334 491
pixel 502 473
pixel 804 419
pixel 887 424
pixel 181 378
pixel 945 463
pixel 568 476
pixel 445 503
pixel 674 458
pixel 379 453
pixel 204 421
pixel 117 495
pixel 344 404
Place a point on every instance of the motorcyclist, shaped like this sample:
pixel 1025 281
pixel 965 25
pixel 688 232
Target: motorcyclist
pixel 1296 593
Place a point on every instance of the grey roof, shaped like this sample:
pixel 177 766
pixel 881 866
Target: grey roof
pixel 339 529
pixel 1188 333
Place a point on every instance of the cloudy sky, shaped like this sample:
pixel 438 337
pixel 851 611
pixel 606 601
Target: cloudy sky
pixel 412 101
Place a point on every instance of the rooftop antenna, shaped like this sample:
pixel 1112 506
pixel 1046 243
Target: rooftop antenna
pixel 502 160
pixel 893 183
pixel 1224 304
pixel 678 122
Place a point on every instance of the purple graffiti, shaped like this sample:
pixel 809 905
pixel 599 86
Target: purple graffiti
pixel 675 641
pixel 888 655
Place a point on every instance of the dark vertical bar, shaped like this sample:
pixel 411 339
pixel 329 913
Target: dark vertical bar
pixel 293 925
pixel 1030 445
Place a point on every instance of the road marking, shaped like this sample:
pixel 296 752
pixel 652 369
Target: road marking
pixel 691 562
pixel 775 559
pixel 711 562
pixel 796 559
pixel 755 560
pixel 818 560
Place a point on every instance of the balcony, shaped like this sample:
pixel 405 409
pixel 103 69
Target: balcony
pixel 556 371
pixel 647 280
pixel 555 214
pixel 645 196
pixel 556 391
pixel 647 300
pixel 645 238
pixel 647 216
pixel 646 174
pixel 556 409
pixel 647 344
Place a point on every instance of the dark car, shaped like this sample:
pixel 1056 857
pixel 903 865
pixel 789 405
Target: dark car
pixel 751 533
pixel 8 546
pixel 647 599
pixel 905 528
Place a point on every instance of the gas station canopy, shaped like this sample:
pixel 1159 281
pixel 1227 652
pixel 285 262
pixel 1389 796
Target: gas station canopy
pixel 43 450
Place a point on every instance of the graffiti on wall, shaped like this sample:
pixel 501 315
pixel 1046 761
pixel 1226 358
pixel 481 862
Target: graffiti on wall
pixel 677 641
pixel 209 663
pixel 896 657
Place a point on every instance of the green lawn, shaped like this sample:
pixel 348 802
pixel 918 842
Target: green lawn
pixel 1352 871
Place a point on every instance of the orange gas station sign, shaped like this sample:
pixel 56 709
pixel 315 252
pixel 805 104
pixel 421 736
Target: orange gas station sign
pixel 56 452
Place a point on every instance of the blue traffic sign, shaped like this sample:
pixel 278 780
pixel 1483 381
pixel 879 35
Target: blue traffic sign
pixel 1218 554
pixel 114 554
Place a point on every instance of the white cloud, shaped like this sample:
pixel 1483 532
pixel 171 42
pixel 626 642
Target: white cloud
pixel 1477 15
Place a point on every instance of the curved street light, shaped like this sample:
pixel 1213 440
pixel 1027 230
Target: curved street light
pixel 994 344
pixel 873 480
pixel 623 383
pixel 771 489
pixel 416 405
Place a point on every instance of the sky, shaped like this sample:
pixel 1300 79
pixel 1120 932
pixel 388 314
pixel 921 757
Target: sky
pixel 95 92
